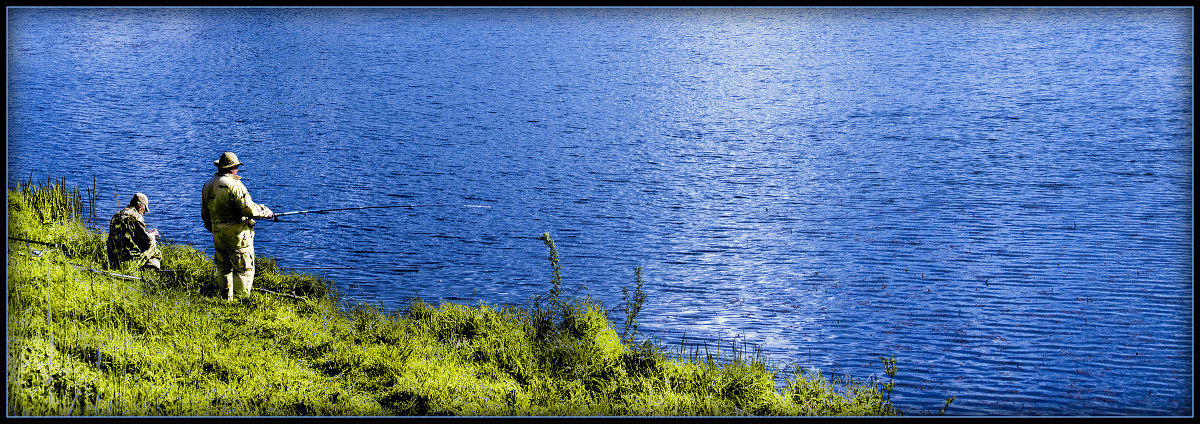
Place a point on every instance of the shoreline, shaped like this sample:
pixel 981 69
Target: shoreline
pixel 88 343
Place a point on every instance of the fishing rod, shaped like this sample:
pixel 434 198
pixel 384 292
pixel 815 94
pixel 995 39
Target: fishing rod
pixel 130 277
pixel 32 241
pixel 377 207
pixel 111 274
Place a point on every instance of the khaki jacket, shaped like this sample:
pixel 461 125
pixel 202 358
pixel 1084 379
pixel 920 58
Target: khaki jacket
pixel 228 212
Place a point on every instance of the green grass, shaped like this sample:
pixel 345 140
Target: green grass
pixel 84 343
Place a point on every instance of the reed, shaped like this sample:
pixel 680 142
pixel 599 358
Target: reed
pixel 632 305
pixel 51 201
pixel 87 344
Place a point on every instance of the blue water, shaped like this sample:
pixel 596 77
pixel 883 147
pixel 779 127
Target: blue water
pixel 1000 198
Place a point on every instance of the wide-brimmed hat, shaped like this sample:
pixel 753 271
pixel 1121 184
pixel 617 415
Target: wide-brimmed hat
pixel 227 160
pixel 140 199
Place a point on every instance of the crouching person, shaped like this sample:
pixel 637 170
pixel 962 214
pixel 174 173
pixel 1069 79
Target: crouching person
pixel 128 238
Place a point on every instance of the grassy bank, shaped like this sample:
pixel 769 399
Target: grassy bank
pixel 85 343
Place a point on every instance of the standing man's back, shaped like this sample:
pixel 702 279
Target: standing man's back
pixel 228 213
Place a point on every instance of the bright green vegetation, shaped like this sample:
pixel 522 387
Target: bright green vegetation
pixel 85 343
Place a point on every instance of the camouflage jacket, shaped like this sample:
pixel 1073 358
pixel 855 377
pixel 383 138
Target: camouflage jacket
pixel 127 237
pixel 228 212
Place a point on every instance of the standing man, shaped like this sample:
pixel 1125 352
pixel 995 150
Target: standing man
pixel 229 213
pixel 128 238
